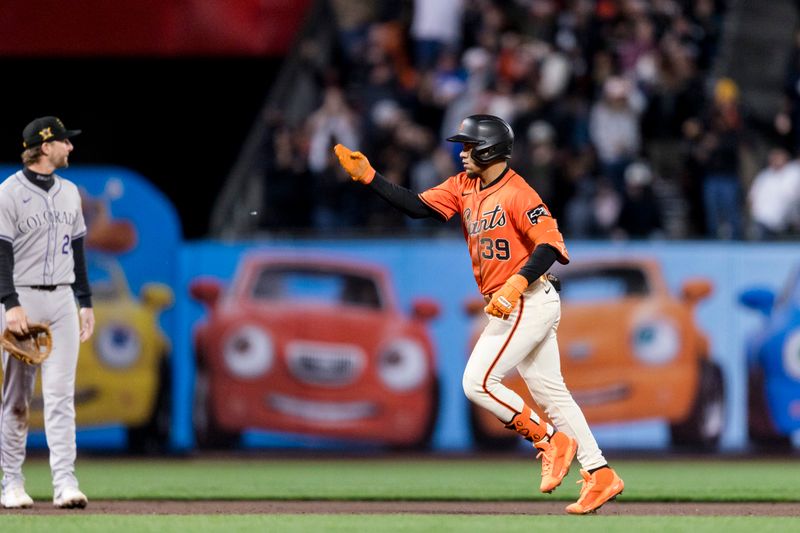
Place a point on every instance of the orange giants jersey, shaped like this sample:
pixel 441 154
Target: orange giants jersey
pixel 502 224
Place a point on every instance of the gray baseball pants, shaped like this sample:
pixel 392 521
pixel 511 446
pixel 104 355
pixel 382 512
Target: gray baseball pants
pixel 59 310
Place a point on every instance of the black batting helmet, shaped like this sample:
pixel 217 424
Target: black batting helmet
pixel 491 135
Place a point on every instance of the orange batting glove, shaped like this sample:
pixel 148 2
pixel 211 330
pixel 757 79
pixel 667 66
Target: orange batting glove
pixel 505 299
pixel 355 163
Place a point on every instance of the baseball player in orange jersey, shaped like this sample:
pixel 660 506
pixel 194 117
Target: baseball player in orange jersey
pixel 513 240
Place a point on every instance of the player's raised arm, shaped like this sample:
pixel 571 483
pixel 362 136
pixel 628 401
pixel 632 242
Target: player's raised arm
pixel 404 200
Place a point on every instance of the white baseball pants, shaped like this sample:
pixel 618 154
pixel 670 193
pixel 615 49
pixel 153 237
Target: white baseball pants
pixel 526 340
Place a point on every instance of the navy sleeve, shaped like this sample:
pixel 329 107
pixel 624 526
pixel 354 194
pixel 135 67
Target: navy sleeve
pixel 404 200
pixel 80 287
pixel 8 293
pixel 539 262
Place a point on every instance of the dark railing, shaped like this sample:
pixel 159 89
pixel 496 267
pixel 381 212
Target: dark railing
pixel 293 95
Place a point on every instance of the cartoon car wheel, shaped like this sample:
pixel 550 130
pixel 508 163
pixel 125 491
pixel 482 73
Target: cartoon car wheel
pixel 426 437
pixel 703 427
pixel 207 430
pixel 760 427
pixel 152 437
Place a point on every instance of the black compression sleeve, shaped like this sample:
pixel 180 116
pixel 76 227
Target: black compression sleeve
pixel 541 259
pixel 402 199
pixel 80 287
pixel 8 294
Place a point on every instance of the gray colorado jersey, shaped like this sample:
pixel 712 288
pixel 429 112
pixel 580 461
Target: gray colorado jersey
pixel 41 227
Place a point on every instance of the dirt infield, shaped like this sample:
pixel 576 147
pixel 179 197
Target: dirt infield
pixel 350 507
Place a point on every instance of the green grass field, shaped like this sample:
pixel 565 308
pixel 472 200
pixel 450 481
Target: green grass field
pixel 399 523
pixel 442 479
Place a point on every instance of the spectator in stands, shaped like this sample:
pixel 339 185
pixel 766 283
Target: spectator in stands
pixel 586 68
pixel 435 27
pixel 691 175
pixel 353 19
pixel 606 207
pixel 593 211
pixel 578 218
pixel 640 215
pixel 614 129
pixel 774 196
pixel 288 207
pixel 333 120
pixel 674 96
pixel 331 123
pixel 788 120
pixel 428 172
pixel 637 52
pixel 398 143
pixel 537 160
pixel 718 152
pixel 706 21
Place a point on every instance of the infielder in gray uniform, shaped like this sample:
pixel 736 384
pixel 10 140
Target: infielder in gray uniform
pixel 42 273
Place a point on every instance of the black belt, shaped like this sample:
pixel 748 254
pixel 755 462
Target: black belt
pixel 49 288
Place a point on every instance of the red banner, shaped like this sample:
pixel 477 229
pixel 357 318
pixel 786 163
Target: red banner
pixel 149 27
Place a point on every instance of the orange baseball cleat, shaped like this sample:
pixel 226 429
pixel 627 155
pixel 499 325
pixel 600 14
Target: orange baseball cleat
pixel 556 454
pixel 598 488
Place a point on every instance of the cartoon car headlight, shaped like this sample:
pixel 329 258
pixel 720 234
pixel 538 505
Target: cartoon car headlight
pixel 248 352
pixel 656 342
pixel 791 354
pixel 402 365
pixel 118 346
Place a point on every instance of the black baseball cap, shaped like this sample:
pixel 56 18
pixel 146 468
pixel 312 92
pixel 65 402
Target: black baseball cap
pixel 45 129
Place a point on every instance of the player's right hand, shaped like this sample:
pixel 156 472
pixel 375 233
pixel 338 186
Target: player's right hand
pixel 355 163
pixel 506 298
pixel 86 315
pixel 17 320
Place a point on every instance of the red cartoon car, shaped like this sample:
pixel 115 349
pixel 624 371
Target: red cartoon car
pixel 313 346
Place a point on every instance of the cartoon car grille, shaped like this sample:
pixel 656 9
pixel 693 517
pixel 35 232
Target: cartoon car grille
pixel 331 365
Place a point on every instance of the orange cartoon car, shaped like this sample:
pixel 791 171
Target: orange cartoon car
pixel 316 347
pixel 629 351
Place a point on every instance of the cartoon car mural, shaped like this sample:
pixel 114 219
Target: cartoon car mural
pixel 314 346
pixel 629 351
pixel 122 373
pixel 773 364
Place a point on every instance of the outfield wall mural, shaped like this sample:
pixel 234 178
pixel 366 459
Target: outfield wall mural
pixel 343 344
pixel 654 341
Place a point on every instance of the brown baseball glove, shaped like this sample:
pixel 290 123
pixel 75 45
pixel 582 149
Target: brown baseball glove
pixel 31 348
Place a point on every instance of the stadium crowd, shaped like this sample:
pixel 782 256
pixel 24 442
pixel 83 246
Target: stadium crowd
pixel 619 125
